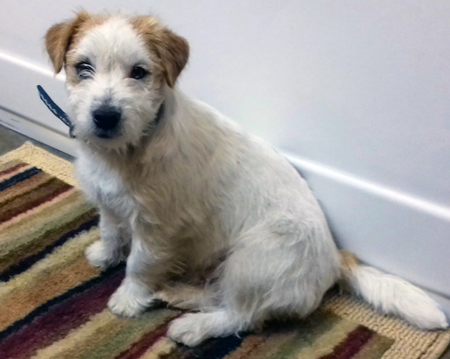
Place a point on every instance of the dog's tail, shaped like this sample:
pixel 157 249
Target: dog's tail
pixel 390 294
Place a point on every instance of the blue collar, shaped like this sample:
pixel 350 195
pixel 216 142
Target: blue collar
pixel 55 109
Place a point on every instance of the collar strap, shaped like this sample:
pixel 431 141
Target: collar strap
pixel 55 109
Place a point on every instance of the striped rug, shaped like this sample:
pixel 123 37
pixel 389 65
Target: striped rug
pixel 53 303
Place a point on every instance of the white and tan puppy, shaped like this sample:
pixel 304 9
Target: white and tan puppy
pixel 208 217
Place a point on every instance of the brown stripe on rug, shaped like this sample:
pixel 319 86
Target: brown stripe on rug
pixel 29 259
pixel 53 320
pixel 57 302
pixel 41 194
pixel 50 239
pixel 24 187
pixel 375 348
pixel 29 225
pixel 52 276
pixel 137 349
pixel 11 168
pixel 351 345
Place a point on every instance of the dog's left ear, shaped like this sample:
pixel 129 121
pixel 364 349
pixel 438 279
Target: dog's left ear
pixel 59 36
pixel 172 50
pixel 174 53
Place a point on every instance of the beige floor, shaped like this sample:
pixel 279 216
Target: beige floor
pixel 10 140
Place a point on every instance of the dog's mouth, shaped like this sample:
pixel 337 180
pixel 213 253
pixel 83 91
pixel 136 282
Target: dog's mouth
pixel 102 138
pixel 106 134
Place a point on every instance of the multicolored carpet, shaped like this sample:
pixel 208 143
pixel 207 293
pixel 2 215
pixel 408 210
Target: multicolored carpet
pixel 53 303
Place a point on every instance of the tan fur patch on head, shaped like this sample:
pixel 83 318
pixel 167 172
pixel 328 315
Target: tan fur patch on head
pixel 171 50
pixel 63 36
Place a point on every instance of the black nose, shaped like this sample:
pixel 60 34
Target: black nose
pixel 106 117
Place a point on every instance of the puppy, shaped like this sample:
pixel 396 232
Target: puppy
pixel 208 217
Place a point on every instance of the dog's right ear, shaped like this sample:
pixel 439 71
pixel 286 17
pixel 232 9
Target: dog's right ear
pixel 59 37
pixel 172 50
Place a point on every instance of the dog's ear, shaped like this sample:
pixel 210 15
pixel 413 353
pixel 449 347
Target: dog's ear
pixel 172 50
pixel 59 37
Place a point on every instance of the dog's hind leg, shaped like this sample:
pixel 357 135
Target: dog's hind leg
pixel 271 272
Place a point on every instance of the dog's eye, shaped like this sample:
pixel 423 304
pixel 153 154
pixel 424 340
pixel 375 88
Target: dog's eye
pixel 84 70
pixel 138 73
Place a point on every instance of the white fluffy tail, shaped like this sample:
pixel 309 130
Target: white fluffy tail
pixel 392 295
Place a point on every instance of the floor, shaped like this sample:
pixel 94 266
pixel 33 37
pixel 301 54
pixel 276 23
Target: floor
pixel 10 140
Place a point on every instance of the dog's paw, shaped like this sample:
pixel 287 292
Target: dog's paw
pixel 188 330
pixel 130 299
pixel 192 329
pixel 99 255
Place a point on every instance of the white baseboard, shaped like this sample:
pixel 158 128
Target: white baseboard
pixel 37 132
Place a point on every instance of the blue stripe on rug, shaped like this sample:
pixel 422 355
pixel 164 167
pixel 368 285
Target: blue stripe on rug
pixel 26 263
pixel 20 177
pixel 43 308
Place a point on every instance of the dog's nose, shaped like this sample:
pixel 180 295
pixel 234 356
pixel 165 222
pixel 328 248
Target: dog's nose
pixel 106 117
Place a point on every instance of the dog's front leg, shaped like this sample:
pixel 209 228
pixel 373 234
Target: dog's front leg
pixel 146 268
pixel 113 243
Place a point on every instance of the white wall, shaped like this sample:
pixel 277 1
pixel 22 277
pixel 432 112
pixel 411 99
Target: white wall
pixel 356 92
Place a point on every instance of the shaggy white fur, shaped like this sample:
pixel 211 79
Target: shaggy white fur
pixel 210 217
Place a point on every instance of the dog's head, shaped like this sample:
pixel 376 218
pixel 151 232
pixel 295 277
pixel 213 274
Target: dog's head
pixel 118 69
